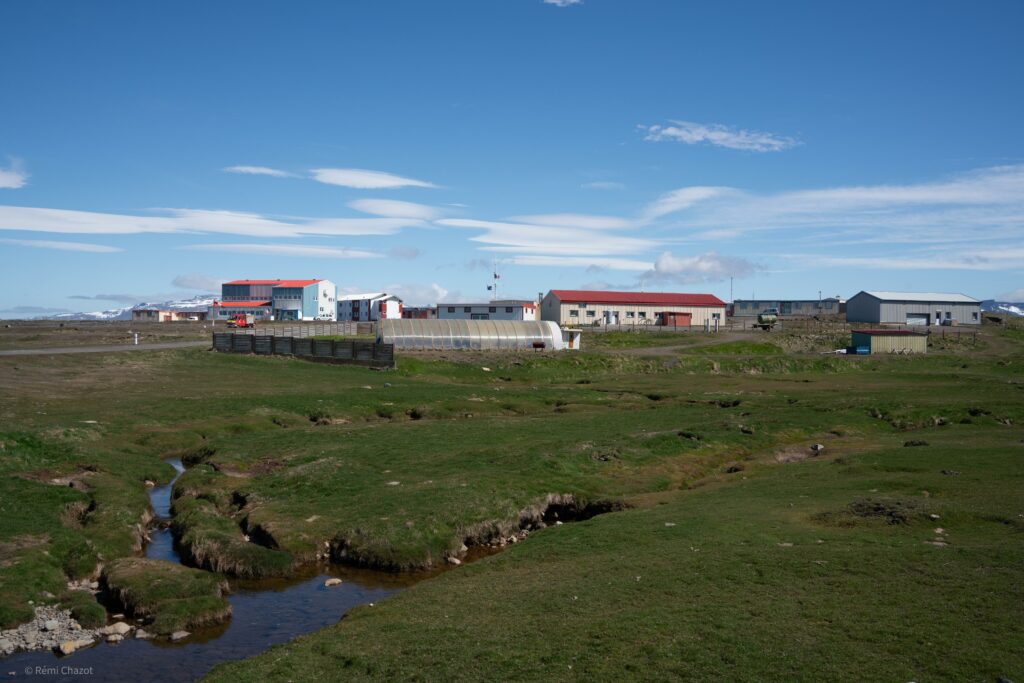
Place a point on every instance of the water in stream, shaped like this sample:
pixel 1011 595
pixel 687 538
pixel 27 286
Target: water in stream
pixel 264 613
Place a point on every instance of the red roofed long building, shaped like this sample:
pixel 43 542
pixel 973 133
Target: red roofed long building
pixel 569 307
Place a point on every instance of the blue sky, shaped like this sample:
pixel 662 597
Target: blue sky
pixel 151 150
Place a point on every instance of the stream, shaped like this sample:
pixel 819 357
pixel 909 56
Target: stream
pixel 264 613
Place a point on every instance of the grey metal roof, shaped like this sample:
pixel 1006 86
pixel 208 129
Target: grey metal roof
pixel 441 334
pixel 924 297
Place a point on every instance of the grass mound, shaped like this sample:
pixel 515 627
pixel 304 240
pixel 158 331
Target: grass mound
pixel 175 597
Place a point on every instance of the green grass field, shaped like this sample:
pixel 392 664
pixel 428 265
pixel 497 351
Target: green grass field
pixel 715 570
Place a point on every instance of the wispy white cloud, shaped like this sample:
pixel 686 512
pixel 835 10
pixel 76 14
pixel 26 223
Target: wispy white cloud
pixel 287 250
pixel 421 294
pixel 683 198
pixel 14 176
pixel 709 267
pixel 588 262
pixel 603 185
pixel 365 180
pixel 562 3
pixel 1015 296
pixel 690 133
pixel 576 220
pixel 193 221
pixel 260 170
pixel 406 253
pixel 393 208
pixel 540 239
pixel 64 246
pixel 198 281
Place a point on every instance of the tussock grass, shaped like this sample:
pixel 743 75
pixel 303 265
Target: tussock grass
pixel 173 596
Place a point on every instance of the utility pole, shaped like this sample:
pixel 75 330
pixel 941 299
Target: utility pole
pixel 730 289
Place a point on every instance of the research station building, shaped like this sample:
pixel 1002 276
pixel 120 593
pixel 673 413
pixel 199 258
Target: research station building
pixel 492 310
pixel 742 308
pixel 585 307
pixel 913 308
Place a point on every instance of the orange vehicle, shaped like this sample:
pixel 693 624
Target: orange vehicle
pixel 242 320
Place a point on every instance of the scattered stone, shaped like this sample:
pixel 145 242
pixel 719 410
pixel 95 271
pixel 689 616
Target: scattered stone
pixel 463 548
pixel 115 638
pixel 951 473
pixel 178 635
pixel 149 483
pixel 670 523
pixel 393 483
pixel 940 530
pixel 69 646
pixel 454 560
pixel 486 369
pixel 933 516
pixel 938 543
pixel 6 646
pixel 914 442
pixel 784 545
pixel 94 585
pixel 746 430
pixel 51 625
pixel 387 384
pixel 558 522
pixel 512 539
pixel 817 448
pixel 120 628
pixel 143 635
pixel 332 582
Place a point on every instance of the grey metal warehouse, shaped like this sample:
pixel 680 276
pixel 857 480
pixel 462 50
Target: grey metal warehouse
pixel 913 308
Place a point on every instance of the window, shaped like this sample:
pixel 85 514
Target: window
pixel 479 316
pixel 642 314
pixel 974 316
pixel 630 314
pixel 828 305
pixel 949 315
pixel 583 305
pixel 508 309
pixel 492 309
pixel 591 314
pixel 467 309
pixel 716 316
pixel 451 309
pixel 574 314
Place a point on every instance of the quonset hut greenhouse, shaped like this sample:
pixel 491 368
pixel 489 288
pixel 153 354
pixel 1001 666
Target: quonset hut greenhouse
pixel 482 335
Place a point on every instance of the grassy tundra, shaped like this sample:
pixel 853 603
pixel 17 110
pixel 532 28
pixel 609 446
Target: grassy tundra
pixel 740 555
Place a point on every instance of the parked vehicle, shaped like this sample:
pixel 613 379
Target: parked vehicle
pixel 767 319
pixel 242 320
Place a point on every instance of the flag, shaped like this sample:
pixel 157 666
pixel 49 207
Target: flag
pixel 490 287
pixel 497 277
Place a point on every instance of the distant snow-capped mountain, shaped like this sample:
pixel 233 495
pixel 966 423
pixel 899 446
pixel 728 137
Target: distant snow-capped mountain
pixel 196 303
pixel 1004 307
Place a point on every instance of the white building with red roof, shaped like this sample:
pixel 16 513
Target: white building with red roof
pixel 569 307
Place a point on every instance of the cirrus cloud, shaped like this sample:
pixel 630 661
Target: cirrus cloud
pixel 364 179
pixel 690 133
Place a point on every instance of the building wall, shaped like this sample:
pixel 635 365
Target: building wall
pixel 246 292
pixel 488 311
pixel 865 308
pixel 751 307
pixel 225 313
pixel 892 343
pixel 370 309
pixel 628 314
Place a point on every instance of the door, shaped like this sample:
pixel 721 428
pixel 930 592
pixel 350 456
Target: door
pixel 917 318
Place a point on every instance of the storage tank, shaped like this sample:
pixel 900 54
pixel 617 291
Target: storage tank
pixel 445 335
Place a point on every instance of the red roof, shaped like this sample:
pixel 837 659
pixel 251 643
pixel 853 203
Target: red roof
pixel 295 283
pixel 891 333
pixel 245 304
pixel 575 296
pixel 254 282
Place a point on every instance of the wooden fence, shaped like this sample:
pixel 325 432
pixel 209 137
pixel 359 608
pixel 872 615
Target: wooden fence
pixel 347 328
pixel 355 352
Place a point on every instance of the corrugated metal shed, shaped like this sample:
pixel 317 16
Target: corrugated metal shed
pixel 891 341
pixel 913 308
pixel 445 335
